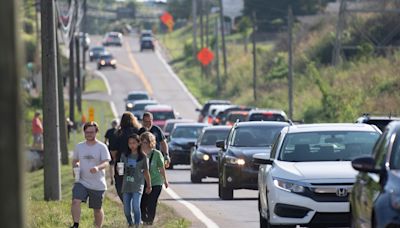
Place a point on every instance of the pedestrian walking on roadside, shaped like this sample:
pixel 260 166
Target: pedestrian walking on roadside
pixel 158 177
pixel 109 138
pixel 128 126
pixel 161 141
pixel 37 132
pixel 92 158
pixel 136 170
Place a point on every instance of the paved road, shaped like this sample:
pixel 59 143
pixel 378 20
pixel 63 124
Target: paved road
pixel 145 71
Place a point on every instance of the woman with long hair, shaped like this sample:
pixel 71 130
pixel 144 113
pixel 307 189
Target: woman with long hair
pixel 136 171
pixel 157 174
pixel 129 125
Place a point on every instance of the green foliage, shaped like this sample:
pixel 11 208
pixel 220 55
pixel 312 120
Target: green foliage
pixel 179 8
pixel 29 41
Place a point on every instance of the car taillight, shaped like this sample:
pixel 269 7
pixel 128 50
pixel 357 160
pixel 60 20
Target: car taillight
pixel 210 120
pixel 217 120
pixel 269 114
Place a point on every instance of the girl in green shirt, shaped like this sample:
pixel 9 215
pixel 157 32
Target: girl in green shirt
pixel 158 177
pixel 136 170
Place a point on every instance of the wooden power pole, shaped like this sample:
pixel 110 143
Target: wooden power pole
pixel 221 15
pixel 52 185
pixel 72 80
pixel 194 16
pixel 78 75
pixel 290 64
pixel 254 57
pixel 11 144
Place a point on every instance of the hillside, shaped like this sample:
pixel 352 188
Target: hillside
pixel 366 82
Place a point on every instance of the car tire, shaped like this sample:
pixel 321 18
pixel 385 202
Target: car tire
pixel 194 178
pixel 114 67
pixel 98 67
pixel 224 192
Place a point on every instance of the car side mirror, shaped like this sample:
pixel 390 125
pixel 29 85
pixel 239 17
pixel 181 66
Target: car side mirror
pixel 365 164
pixel 220 144
pixel 192 144
pixel 262 159
pixel 198 110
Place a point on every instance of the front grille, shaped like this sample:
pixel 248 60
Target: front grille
pixel 328 192
pixel 331 219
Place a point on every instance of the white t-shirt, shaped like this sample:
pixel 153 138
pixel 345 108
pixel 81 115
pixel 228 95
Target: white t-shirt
pixel 89 156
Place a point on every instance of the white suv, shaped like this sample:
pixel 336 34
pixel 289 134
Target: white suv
pixel 308 176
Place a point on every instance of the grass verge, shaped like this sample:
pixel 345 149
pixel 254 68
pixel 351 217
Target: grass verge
pixel 95 84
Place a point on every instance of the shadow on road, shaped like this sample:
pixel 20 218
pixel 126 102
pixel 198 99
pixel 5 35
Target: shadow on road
pixel 188 182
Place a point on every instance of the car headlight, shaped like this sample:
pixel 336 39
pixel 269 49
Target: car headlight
pixel 395 199
pixel 90 53
pixel 202 156
pixel 129 105
pixel 288 186
pixel 102 62
pixel 234 160
pixel 113 62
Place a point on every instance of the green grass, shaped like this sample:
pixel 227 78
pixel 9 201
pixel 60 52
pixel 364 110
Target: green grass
pixel 95 85
pixel 57 213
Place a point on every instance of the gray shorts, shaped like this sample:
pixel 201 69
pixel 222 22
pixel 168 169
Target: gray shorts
pixel 80 192
pixel 37 138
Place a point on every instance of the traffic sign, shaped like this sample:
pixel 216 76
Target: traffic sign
pixel 168 20
pixel 91 114
pixel 205 56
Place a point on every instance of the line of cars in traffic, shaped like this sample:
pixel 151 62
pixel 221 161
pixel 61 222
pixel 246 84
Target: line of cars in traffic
pixel 315 175
pixel 101 55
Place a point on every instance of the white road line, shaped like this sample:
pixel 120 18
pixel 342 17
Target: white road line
pixel 196 211
pixel 102 76
pixel 168 67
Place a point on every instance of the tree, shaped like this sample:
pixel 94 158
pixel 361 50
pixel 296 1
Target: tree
pixel 179 8
pixel 244 27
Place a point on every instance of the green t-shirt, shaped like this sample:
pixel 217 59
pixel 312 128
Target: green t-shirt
pixel 133 173
pixel 157 162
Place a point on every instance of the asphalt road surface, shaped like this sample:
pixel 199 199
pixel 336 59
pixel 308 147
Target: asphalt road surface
pixel 198 203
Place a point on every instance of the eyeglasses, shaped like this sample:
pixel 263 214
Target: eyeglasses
pixel 145 142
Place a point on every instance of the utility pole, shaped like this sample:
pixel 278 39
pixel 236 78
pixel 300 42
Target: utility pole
pixel 12 157
pixel 201 23
pixel 290 57
pixel 254 57
pixel 78 74
pixel 61 109
pixel 217 59
pixel 194 15
pixel 207 21
pixel 52 185
pixel 84 49
pixel 221 15
pixel 72 80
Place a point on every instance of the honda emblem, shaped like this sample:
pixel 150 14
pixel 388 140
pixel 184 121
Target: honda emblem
pixel 341 192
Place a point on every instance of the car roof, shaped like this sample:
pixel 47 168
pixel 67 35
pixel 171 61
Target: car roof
pixel 158 107
pixel 277 111
pixel 137 92
pixel 191 125
pixel 217 128
pixel 145 102
pixel 218 101
pixel 368 117
pixel 179 121
pixel 262 123
pixel 332 127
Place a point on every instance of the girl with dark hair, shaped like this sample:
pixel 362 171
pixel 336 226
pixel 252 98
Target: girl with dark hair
pixel 128 126
pixel 136 170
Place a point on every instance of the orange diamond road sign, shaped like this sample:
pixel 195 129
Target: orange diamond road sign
pixel 205 56
pixel 168 20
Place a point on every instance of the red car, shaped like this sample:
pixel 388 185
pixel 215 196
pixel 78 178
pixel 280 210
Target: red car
pixel 161 113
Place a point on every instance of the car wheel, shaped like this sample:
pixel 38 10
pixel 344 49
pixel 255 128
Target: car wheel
pixel 99 67
pixel 194 178
pixel 115 67
pixel 225 193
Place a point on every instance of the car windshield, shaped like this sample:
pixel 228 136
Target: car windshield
pixel 327 146
pixel 106 57
pixel 187 132
pixel 267 117
pixel 395 156
pixel 163 115
pixel 138 97
pixel 255 136
pixel 209 138
pixel 98 49
pixel 140 107
pixel 233 117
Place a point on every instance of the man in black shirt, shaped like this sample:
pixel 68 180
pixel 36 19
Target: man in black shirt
pixel 109 139
pixel 161 142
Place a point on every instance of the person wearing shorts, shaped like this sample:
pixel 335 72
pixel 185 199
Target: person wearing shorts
pixel 92 158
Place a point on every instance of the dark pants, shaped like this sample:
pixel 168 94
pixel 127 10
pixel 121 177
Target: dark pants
pixel 118 186
pixel 149 204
